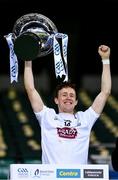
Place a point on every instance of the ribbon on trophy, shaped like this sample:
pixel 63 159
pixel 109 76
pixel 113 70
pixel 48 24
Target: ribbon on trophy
pixel 13 59
pixel 60 59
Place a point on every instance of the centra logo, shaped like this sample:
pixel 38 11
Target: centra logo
pixel 68 173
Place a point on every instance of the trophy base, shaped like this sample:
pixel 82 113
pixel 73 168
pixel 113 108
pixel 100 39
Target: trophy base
pixel 27 47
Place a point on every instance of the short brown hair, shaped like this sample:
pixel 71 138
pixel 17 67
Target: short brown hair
pixel 65 85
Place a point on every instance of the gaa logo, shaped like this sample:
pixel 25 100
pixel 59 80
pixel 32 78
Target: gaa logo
pixel 22 172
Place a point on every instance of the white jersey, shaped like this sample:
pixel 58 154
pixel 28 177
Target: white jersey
pixel 65 137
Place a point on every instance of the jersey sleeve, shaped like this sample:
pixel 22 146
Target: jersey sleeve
pixel 44 114
pixel 41 114
pixel 88 117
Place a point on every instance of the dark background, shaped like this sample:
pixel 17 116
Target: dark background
pixel 87 23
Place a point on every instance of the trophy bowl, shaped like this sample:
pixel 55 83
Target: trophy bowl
pixel 33 36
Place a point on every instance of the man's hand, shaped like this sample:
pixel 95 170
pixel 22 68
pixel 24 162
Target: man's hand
pixel 104 51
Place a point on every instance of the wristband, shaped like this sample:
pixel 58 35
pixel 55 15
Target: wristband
pixel 106 61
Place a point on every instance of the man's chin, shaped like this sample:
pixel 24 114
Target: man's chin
pixel 68 110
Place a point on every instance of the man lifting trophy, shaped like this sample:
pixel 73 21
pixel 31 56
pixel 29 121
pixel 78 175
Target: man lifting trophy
pixel 33 36
pixel 65 133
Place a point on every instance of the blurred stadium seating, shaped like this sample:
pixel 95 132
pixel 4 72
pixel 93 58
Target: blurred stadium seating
pixel 19 131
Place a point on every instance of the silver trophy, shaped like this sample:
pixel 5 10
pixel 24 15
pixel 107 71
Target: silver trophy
pixel 33 36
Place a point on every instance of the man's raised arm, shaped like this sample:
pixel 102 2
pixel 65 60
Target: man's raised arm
pixel 100 100
pixel 34 97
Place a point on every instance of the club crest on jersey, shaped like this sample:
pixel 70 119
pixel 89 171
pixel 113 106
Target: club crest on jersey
pixel 66 132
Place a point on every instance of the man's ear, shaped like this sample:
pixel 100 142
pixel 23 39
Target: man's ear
pixel 76 102
pixel 56 100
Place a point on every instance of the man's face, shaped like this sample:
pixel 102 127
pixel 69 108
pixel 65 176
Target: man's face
pixel 66 100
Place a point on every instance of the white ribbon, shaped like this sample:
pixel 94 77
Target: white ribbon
pixel 13 59
pixel 61 67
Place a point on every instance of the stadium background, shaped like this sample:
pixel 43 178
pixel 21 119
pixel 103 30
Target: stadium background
pixel 88 24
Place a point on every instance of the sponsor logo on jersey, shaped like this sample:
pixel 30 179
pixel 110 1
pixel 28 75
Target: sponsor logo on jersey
pixel 67 132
